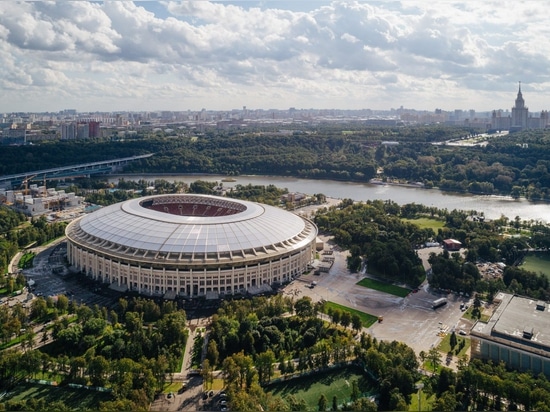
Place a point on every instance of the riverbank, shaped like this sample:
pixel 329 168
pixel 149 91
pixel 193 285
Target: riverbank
pixel 490 206
pixel 382 182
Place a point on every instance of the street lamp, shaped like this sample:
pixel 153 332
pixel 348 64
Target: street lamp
pixel 419 386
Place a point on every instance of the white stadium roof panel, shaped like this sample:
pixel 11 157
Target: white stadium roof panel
pixel 250 226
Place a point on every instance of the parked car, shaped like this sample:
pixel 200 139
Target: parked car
pixel 183 387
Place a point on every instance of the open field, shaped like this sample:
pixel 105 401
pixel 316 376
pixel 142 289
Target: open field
pixel 426 223
pixel 331 383
pixel 384 287
pixel 367 319
pixel 538 263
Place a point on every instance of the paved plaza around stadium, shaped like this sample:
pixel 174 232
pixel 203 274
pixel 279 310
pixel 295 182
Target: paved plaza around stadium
pixel 410 320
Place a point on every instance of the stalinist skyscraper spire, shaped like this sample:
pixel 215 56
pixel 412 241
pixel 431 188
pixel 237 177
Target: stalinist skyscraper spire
pixel 520 113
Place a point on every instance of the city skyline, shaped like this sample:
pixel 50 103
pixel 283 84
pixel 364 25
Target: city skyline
pixel 223 55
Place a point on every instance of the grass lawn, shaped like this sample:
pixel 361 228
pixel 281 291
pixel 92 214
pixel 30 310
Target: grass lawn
pixel 426 223
pixel 538 263
pixel 468 315
pixel 217 384
pixel 26 261
pixel 366 319
pixel 425 402
pixel 332 383
pixel 172 387
pixel 445 347
pixel 80 399
pixel 384 287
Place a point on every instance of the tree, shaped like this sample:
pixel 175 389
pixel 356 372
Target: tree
pixel 446 402
pixel 97 369
pixel 84 313
pixel 323 403
pixel 397 401
pixel 336 315
pixel 39 309
pixel 356 322
pixel 212 353
pixel 355 392
pixel 364 405
pixel 446 380
pixel 290 368
pixel 422 355
pixel 207 374
pixel 28 339
pixel 453 340
pixel 304 307
pixel 276 403
pixel 434 356
pixel 296 404
pixel 230 372
pixel 345 320
pixel 245 370
pixel 264 366
pixel 282 367
pixel 334 403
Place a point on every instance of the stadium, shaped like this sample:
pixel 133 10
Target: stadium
pixel 191 245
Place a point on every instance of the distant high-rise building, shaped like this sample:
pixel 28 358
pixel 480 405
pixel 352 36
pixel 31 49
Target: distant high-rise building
pixel 520 113
pixel 14 136
pixel 520 119
pixel 82 131
pixel 68 131
pixel 93 128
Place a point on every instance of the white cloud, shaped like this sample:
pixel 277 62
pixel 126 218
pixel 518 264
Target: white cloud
pixel 348 54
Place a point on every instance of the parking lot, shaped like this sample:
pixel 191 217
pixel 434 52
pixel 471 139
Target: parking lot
pixel 410 320
pixel 50 281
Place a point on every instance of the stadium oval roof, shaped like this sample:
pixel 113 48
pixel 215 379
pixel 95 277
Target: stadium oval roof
pixel 193 225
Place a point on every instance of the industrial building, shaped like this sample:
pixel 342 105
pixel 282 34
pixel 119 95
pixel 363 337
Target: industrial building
pixel 452 245
pixel 518 334
pixel 191 246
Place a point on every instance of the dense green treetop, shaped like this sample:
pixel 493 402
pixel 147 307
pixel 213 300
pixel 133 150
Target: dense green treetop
pixel 516 164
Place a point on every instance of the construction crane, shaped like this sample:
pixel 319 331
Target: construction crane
pixel 25 184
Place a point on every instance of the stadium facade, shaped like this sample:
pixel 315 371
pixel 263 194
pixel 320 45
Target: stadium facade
pixel 191 245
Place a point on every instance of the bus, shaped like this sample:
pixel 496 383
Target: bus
pixel 439 302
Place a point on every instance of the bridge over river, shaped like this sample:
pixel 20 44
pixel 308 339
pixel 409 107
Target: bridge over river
pixel 84 169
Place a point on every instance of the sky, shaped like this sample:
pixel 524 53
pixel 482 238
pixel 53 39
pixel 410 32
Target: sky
pixel 271 54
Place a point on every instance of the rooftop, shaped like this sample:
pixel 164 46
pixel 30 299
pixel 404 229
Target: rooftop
pixel 518 319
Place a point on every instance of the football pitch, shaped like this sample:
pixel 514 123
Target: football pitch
pixel 330 383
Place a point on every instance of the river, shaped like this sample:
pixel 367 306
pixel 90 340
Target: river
pixel 491 206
